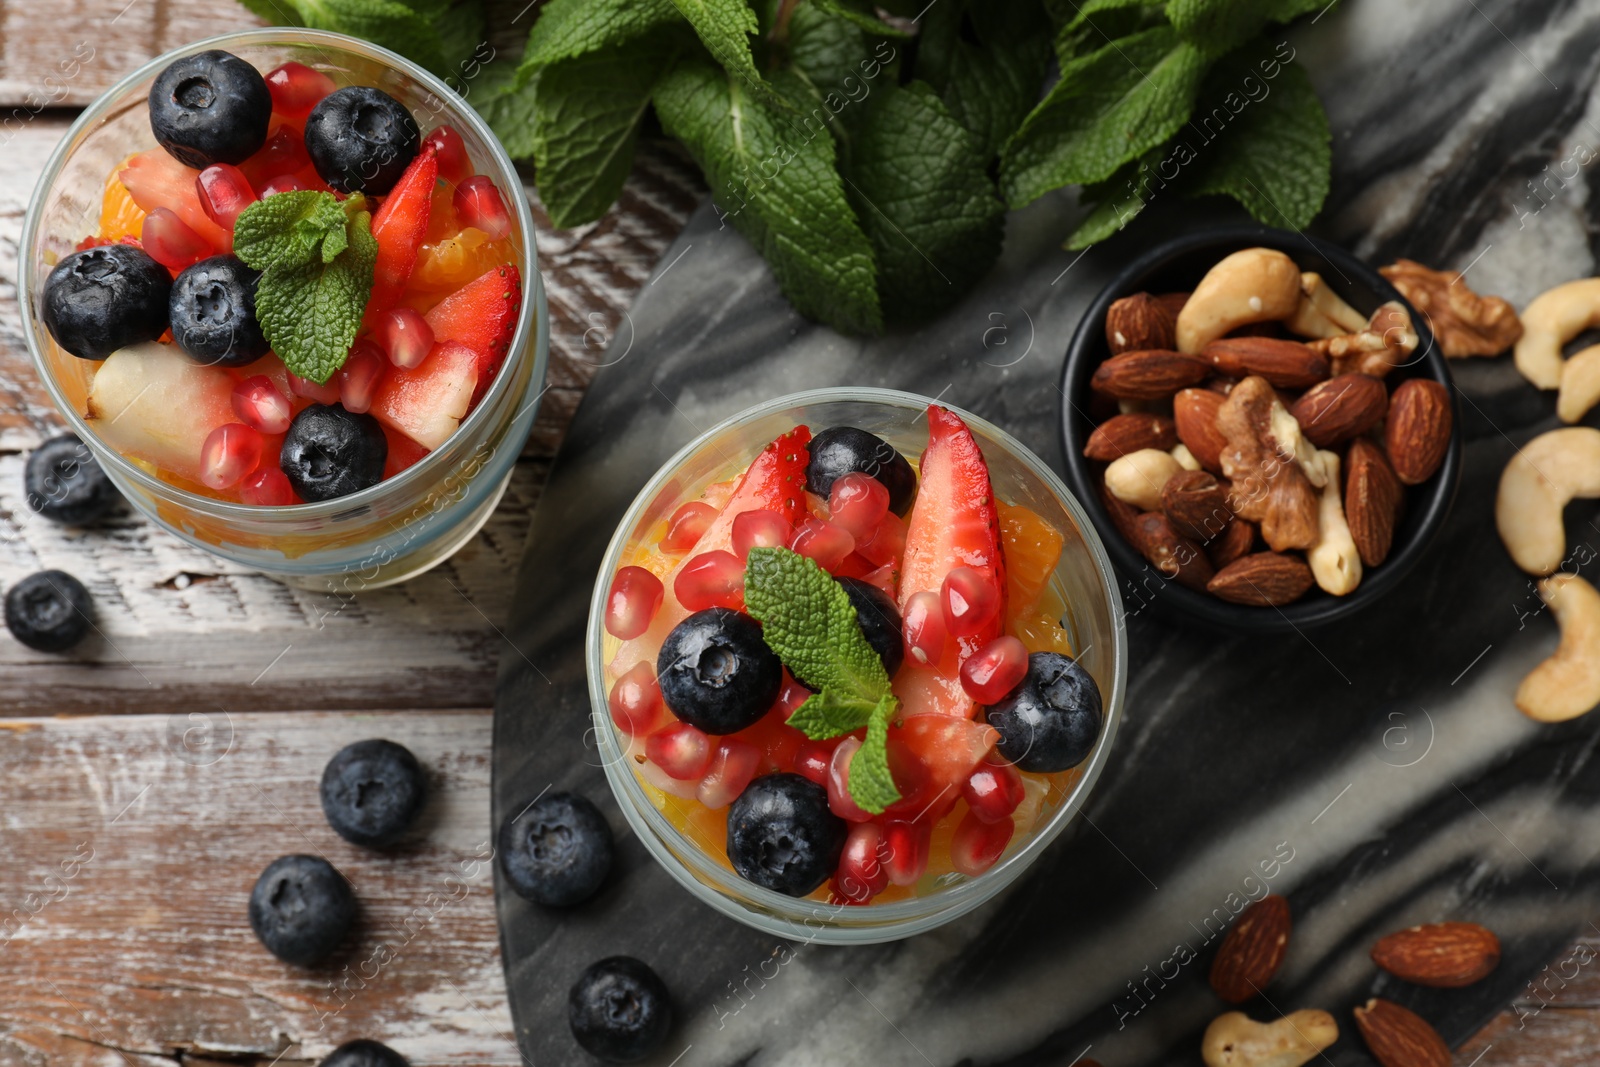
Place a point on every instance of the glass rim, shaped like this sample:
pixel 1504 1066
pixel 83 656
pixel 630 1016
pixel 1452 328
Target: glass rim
pixel 799 917
pixel 459 110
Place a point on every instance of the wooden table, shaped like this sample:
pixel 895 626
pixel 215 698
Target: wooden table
pixel 151 774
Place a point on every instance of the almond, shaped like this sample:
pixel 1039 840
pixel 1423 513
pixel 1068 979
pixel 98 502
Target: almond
pixel 1373 497
pixel 1443 955
pixel 1173 302
pixel 1194 416
pixel 1169 552
pixel 1399 1037
pixel 1285 364
pixel 1152 374
pixel 1263 580
pixel 1253 950
pixel 1332 412
pixel 1140 321
pixel 1196 505
pixel 1236 541
pixel 1123 515
pixel 1418 433
pixel 1123 434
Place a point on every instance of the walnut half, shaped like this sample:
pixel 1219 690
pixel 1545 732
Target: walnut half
pixel 1269 485
pixel 1465 323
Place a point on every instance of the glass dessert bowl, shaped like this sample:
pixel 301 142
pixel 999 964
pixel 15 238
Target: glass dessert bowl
pixel 172 259
pixel 842 693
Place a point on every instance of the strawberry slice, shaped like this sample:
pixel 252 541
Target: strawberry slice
pixel 428 401
pixel 481 315
pixel 154 179
pixel 399 226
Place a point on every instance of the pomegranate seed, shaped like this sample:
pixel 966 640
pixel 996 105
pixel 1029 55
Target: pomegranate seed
pixel 970 601
pixel 993 791
pixel 686 526
pixel 405 335
pixel 760 529
pixel 284 153
pixel 887 544
pixel 665 782
pixel 171 242
pixel 283 183
pixel 310 390
pixel 790 697
pixel 709 580
pixel 924 628
pixel 454 166
pixel 269 487
pixel 635 596
pixel 823 542
pixel 231 451
pixel 995 669
pixel 258 403
pixel 905 850
pixel 977 844
pixel 732 767
pixel 857 503
pixel 635 701
pixel 224 192
pixel 681 750
pixel 813 759
pixel 884 579
pixel 478 203
pixel 358 379
pixel 297 88
pixel 780 748
pixel 861 874
pixel 839 799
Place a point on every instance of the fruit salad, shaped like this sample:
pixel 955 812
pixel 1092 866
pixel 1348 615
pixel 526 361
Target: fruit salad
pixel 299 293
pixel 844 675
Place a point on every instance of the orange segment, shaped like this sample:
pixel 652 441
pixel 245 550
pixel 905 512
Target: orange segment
pixel 451 262
pixel 1040 633
pixel 1032 549
pixel 119 216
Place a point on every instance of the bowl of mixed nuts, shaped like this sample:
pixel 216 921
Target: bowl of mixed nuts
pixel 1262 427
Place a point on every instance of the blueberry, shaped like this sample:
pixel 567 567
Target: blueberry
pixel 839 450
pixel 619 1010
pixel 782 836
pixel 48 611
pixel 557 850
pixel 211 107
pixel 213 313
pixel 102 299
pixel 716 673
pixel 64 482
pixel 361 140
pixel 1051 720
pixel 301 908
pixel 364 1053
pixel 372 791
pixel 880 621
pixel 330 452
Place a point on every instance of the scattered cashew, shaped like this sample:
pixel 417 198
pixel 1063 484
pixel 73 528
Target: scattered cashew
pixel 1536 486
pixel 1252 285
pixel 1236 1040
pixel 1335 563
pixel 1137 478
pixel 1580 385
pixel 1321 313
pixel 1185 458
pixel 1554 318
pixel 1568 683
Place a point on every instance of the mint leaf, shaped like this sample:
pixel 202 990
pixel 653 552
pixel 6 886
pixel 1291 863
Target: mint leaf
pixel 1110 106
pixel 987 62
pixel 808 620
pixel 863 20
pixel 776 183
pixel 463 32
pixel 829 714
pixel 725 27
pixel 922 191
pixel 871 785
pixel 506 101
pixel 568 28
pixel 1219 26
pixel 389 23
pixel 835 57
pixel 286 230
pixel 1117 201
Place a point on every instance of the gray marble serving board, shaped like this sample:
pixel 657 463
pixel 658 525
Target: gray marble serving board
pixel 1380 762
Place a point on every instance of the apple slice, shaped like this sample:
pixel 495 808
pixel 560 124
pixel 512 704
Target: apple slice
pixel 154 403
pixel 428 401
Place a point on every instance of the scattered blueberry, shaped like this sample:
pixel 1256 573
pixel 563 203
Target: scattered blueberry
pixel 716 673
pixel 364 1053
pixel 213 313
pixel 619 1010
pixel 330 452
pixel 64 482
pixel 880 622
pixel 839 450
pixel 48 611
pixel 557 850
pixel 105 298
pixel 372 791
pixel 361 140
pixel 782 836
pixel 301 908
pixel 211 107
pixel 1051 720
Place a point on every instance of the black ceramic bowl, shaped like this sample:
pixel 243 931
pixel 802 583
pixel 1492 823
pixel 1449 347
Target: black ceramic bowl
pixel 1178 265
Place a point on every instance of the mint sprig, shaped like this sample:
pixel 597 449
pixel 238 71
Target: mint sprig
pixel 316 255
pixel 808 621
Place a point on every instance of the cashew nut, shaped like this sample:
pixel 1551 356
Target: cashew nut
pixel 1335 563
pixel 1185 458
pixel 1236 1040
pixel 1554 318
pixel 1292 440
pixel 1137 478
pixel 1252 285
pixel 1536 486
pixel 1580 385
pixel 1568 683
pixel 1321 312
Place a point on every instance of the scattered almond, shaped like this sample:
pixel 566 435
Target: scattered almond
pixel 1417 434
pixel 1262 579
pixel 1332 412
pixel 1399 1037
pixel 1443 955
pixel 1122 434
pixel 1140 321
pixel 1286 364
pixel 1153 374
pixel 1373 497
pixel 1253 950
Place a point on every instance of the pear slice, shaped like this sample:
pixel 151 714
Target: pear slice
pixel 154 403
